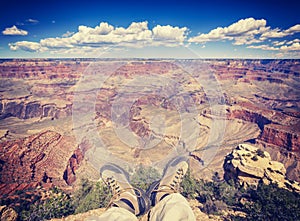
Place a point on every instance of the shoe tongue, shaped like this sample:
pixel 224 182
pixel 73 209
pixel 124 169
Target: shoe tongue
pixel 125 186
pixel 130 195
pixel 166 181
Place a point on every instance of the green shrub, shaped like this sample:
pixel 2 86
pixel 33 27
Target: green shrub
pixel 266 202
pixel 57 205
pixel 90 196
pixel 215 195
pixel 269 202
pixel 144 176
pixel 214 207
pixel 190 186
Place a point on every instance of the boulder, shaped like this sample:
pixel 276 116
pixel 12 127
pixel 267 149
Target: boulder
pixel 249 165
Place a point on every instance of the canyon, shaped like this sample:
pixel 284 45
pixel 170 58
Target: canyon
pixel 61 119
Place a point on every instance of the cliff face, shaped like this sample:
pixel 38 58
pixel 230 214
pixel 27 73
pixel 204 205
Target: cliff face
pixel 280 135
pixel 73 164
pixel 250 116
pixel 26 110
pixel 38 160
pixel 264 92
pixel 277 128
pixel 38 88
pixel 42 69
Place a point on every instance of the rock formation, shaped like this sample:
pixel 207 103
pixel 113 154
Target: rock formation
pixel 38 160
pixel 249 165
pixel 281 135
pixel 42 68
pixel 73 164
pixel 33 109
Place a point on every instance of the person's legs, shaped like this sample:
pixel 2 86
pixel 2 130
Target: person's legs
pixel 116 214
pixel 172 207
pixel 127 202
pixel 168 203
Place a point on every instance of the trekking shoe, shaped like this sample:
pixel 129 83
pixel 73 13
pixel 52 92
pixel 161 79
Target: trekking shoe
pixel 170 182
pixel 124 195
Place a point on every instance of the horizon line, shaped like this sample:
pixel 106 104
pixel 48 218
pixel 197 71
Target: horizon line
pixel 137 58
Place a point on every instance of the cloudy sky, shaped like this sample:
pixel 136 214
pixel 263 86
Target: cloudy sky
pixel 175 29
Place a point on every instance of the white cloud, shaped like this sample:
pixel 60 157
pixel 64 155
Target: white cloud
pixel 251 31
pixel 134 27
pixel 278 43
pixel 242 32
pixel 292 47
pixel 57 43
pixel 294 29
pixel 248 31
pixel 278 33
pixel 246 40
pixel 104 34
pixel 263 47
pixel 67 34
pixel 14 31
pixel 293 41
pixel 25 46
pixel 34 21
pixel 136 35
pixel 73 51
pixel 103 29
pixel 284 47
pixel 274 33
pixel 169 33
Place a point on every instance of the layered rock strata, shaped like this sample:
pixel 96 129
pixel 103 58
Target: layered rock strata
pixel 249 165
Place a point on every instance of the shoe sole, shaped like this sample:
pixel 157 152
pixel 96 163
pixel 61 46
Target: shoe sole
pixel 113 167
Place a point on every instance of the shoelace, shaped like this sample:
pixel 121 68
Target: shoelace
pixel 174 187
pixel 117 191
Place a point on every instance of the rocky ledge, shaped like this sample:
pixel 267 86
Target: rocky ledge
pixel 249 165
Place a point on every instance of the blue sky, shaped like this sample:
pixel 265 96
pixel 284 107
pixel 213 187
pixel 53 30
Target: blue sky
pixel 179 29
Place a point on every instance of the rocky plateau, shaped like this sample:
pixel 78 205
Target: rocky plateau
pixel 249 165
